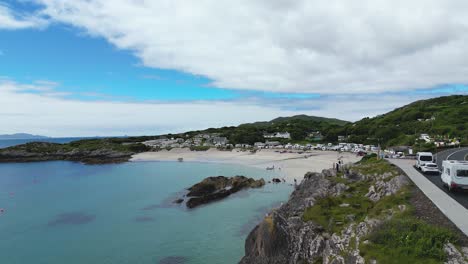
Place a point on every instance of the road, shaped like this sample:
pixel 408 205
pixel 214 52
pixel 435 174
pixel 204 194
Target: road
pixel 454 154
pixel 450 207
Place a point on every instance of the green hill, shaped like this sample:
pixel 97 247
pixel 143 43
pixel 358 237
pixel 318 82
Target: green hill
pixel 306 118
pixel 298 126
pixel 442 118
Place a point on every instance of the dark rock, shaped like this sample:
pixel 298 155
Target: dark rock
pixel 44 151
pixel 283 236
pixel 179 201
pixel 216 188
pixel 276 180
pixel 173 260
pixel 73 218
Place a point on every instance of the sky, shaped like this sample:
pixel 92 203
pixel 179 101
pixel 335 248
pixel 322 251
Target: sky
pixel 145 67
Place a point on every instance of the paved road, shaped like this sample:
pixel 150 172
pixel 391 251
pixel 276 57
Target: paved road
pixel 454 154
pixel 452 208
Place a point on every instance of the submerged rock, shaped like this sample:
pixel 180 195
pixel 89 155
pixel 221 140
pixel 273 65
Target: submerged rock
pixel 216 188
pixel 179 201
pixel 173 260
pixel 276 180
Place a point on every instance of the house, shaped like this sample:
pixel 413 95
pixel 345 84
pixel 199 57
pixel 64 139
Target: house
pixel 316 136
pixel 397 149
pixel 272 143
pixel 259 145
pixel 285 135
pixel 425 137
pixel 220 140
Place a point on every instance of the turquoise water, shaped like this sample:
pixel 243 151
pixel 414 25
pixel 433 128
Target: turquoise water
pixel 64 212
pixel 4 143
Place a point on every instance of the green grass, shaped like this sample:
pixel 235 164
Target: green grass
pixel 370 165
pixel 402 239
pixel 405 239
pixel 331 213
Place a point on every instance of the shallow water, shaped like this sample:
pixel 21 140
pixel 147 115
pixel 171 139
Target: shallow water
pixel 64 212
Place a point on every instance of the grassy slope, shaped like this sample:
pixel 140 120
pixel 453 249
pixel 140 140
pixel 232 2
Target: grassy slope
pixel 402 239
pixel 401 126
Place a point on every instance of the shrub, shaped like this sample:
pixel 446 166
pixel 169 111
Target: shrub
pixel 405 239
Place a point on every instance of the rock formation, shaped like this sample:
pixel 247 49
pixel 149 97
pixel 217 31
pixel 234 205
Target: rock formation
pixel 216 188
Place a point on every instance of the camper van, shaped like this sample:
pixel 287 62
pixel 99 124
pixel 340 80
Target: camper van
pixel 455 174
pixel 422 158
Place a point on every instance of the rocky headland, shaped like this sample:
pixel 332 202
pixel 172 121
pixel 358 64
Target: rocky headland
pixel 216 188
pixel 363 214
pixel 87 151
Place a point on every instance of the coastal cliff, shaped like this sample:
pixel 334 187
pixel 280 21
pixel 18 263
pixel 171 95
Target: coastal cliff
pixel 361 215
pixel 93 151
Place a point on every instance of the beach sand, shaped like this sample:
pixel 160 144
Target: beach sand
pixel 289 165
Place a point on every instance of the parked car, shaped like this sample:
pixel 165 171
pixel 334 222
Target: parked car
pixel 455 174
pixel 430 168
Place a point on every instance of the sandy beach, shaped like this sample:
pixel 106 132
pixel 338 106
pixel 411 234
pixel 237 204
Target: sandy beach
pixel 289 165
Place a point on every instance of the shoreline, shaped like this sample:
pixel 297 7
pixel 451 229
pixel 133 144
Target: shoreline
pixel 292 166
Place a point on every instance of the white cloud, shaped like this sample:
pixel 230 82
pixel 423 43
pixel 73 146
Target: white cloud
pixel 329 47
pixel 10 20
pixel 39 109
pixel 43 113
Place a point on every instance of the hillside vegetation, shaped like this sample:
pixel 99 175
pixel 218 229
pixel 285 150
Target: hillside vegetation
pixel 442 117
pixel 90 151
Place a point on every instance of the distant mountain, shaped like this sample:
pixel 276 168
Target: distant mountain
pixel 442 117
pixel 306 118
pixel 21 136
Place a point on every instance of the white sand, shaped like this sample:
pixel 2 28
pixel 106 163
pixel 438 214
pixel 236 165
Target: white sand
pixel 292 165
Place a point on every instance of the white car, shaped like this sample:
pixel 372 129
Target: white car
pixel 423 158
pixel 430 168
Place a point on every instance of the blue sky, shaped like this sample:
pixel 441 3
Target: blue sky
pixel 84 65
pixel 214 58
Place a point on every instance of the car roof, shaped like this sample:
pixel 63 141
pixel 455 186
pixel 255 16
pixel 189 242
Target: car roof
pixel 424 153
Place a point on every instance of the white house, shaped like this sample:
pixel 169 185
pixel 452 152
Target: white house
pixel 285 135
pixel 425 137
pixel 259 145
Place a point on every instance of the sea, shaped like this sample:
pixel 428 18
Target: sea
pixel 65 212
pixel 4 143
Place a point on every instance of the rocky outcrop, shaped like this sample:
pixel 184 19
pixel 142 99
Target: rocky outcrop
pixel 216 188
pixel 284 237
pixel 42 151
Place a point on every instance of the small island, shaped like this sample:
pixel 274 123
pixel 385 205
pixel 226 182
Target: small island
pixel 216 188
pixel 88 151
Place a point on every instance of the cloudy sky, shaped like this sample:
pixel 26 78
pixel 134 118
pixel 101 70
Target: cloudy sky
pixel 133 67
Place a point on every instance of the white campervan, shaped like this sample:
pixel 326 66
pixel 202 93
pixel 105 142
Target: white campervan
pixel 422 158
pixel 455 174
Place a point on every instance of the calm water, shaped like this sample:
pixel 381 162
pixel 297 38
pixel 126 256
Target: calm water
pixel 4 143
pixel 63 212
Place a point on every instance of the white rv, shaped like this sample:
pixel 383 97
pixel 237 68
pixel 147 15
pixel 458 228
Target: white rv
pixel 455 174
pixel 422 158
